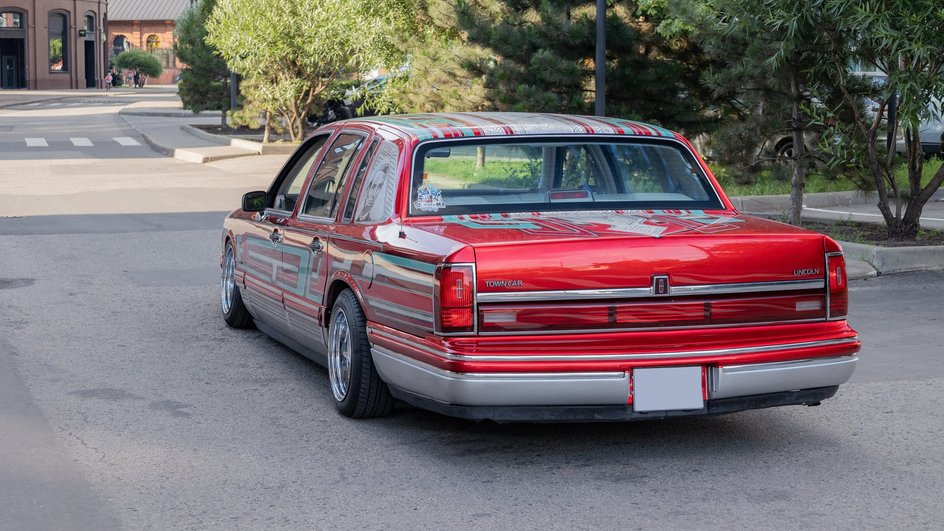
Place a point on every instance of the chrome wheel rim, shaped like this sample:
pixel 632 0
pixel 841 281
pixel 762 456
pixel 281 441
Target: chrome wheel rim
pixel 228 281
pixel 339 356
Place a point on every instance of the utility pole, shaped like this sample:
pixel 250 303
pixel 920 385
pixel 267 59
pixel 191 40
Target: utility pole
pixel 600 60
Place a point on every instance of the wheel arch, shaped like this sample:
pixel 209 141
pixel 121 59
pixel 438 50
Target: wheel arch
pixel 338 284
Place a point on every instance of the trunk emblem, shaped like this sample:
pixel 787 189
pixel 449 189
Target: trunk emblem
pixel 660 284
pixel 807 271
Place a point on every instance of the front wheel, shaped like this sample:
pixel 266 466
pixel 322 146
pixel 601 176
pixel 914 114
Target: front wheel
pixel 357 388
pixel 234 311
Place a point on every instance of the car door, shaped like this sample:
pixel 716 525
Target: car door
pixel 260 246
pixel 308 247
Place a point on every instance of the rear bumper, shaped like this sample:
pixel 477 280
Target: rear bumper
pixel 721 406
pixel 414 381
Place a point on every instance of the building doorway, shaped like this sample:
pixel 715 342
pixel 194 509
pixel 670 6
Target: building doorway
pixel 91 80
pixel 91 72
pixel 12 63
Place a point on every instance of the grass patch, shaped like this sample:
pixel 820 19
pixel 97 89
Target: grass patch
pixel 777 182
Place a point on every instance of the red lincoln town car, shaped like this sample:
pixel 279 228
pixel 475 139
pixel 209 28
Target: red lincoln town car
pixel 533 267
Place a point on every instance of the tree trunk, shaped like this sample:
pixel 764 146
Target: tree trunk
pixel 798 182
pixel 267 130
pixel 479 157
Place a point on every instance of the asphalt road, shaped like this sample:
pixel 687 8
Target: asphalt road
pixel 156 415
pixel 126 403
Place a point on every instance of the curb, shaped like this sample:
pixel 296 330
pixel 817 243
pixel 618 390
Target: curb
pixel 195 155
pixel 169 114
pixel 242 143
pixel 164 150
pixel 888 260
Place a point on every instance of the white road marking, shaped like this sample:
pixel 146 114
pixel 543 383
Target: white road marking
pixel 127 141
pixel 36 142
pixel 81 142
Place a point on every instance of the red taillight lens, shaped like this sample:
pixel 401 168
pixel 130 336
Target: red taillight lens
pixel 455 299
pixel 838 290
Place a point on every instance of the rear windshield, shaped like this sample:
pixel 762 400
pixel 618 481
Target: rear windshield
pixel 501 175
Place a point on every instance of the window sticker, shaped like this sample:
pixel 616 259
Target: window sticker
pixel 428 198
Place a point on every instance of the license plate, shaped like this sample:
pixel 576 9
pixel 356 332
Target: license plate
pixel 667 389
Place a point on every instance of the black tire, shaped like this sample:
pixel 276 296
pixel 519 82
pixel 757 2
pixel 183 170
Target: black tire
pixel 355 385
pixel 234 311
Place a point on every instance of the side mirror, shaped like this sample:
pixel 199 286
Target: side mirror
pixel 254 201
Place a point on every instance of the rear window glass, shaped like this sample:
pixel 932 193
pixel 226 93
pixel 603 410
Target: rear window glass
pixel 487 176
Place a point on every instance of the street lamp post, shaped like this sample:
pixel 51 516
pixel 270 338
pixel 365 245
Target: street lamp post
pixel 600 60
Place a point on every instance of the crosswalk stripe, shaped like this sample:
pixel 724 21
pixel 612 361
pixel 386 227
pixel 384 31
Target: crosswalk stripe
pixel 126 141
pixel 81 142
pixel 36 142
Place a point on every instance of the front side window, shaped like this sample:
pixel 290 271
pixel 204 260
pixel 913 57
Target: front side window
pixel 329 178
pixel 290 186
pixel 58 43
pixel 514 175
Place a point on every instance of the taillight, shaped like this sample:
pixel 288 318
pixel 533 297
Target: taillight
pixel 455 298
pixel 838 289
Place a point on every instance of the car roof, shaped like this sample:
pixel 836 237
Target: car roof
pixel 432 126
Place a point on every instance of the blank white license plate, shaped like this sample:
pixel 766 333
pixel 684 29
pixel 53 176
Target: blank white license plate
pixel 667 388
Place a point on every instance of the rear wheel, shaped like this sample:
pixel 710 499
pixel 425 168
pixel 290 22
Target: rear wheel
pixel 234 311
pixel 357 388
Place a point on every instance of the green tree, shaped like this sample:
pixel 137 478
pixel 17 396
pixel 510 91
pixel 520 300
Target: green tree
pixel 296 50
pixel 204 81
pixel 904 41
pixel 541 58
pixel 763 54
pixel 140 60
pixel 437 73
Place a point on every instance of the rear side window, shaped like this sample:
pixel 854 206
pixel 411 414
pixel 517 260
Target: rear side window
pixel 359 180
pixel 378 193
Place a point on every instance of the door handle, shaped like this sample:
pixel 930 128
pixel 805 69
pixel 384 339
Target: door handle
pixel 275 237
pixel 316 246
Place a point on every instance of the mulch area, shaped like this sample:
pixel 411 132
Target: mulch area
pixel 873 234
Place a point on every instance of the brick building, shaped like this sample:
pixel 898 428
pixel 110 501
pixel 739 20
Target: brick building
pixel 148 25
pixel 52 44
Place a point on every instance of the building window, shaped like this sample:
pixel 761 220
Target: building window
pixel 120 44
pixel 10 20
pixel 90 25
pixel 153 43
pixel 58 43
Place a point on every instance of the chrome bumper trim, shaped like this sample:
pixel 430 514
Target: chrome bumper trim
pixel 501 389
pixel 743 380
pixel 652 355
pixel 638 293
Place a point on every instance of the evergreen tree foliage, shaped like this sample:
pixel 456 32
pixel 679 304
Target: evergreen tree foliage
pixel 764 53
pixel 436 76
pixel 541 58
pixel 204 81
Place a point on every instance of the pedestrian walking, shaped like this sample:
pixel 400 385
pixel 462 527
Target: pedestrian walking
pixel 137 79
pixel 108 80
